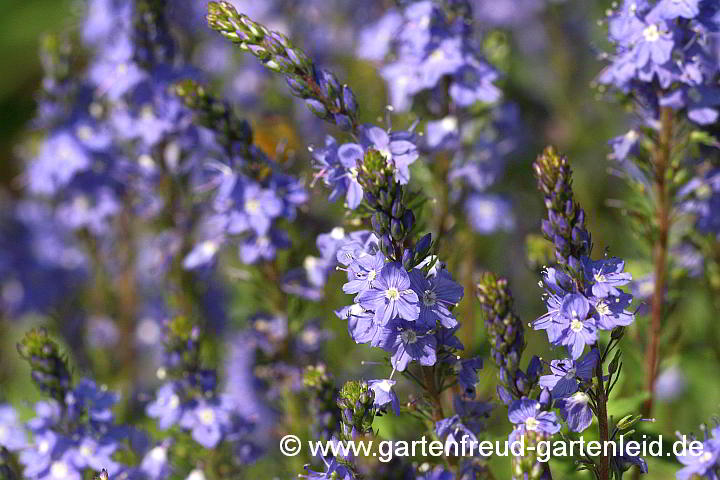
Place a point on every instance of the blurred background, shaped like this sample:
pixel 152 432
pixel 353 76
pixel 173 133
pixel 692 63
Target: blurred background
pixel 548 54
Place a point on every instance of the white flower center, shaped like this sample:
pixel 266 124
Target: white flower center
pixel 86 451
pixel 581 397
pixel 571 373
pixel 158 454
pixel 651 33
pixel 196 475
pixel 353 172
pixel 409 336
pixel 449 124
pixel 59 470
pixel 706 457
pixel 392 294
pixel 44 446
pixel 576 325
pixel 372 274
pixel 252 205
pixel 263 241
pixel 602 308
pixel 429 298
pixel 174 401
pixel 310 262
pixel 531 424
pixel 206 416
pixel 338 233
pixel 599 277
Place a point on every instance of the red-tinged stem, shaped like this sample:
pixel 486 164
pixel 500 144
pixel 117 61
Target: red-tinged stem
pixel 661 164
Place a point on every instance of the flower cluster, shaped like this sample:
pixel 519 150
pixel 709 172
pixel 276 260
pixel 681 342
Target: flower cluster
pixel 667 44
pixel 703 463
pixel 431 45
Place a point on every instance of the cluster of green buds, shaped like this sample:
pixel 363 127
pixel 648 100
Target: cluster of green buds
pixel 323 407
pixel 565 224
pixel 215 114
pixel 357 411
pixel 506 334
pixel 49 369
pixel 529 466
pixel 320 89
pixel 392 219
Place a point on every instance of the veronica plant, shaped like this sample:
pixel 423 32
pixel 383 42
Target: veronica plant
pixel 664 65
pixel 403 295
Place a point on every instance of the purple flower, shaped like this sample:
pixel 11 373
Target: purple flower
pixel 256 247
pixel 605 275
pixel 61 158
pixel 90 453
pixel 576 410
pixel 467 374
pixel 12 435
pixel 391 296
pixel 384 394
pixel 155 464
pixel 207 421
pixel 398 148
pixel 363 273
pixel 579 330
pixel 702 464
pixel 610 312
pixel 624 145
pixel 489 213
pixel 438 294
pixel 564 374
pixel 405 344
pixel 167 407
pixel 528 416
pixel 672 9
pixel 443 134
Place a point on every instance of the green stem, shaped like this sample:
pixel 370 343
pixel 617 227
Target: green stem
pixel 603 426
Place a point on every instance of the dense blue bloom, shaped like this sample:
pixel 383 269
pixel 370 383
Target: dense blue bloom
pixel 363 273
pixel 430 47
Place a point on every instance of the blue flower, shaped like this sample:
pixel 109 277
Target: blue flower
pixel 437 293
pixel 579 329
pixel 385 395
pixel 576 410
pixel 564 374
pixel 610 312
pixel 528 416
pixel 398 148
pixel 12 435
pixel 605 275
pixel 207 420
pixel 363 272
pixel 167 407
pixel 704 463
pixel 391 296
pixel 405 344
